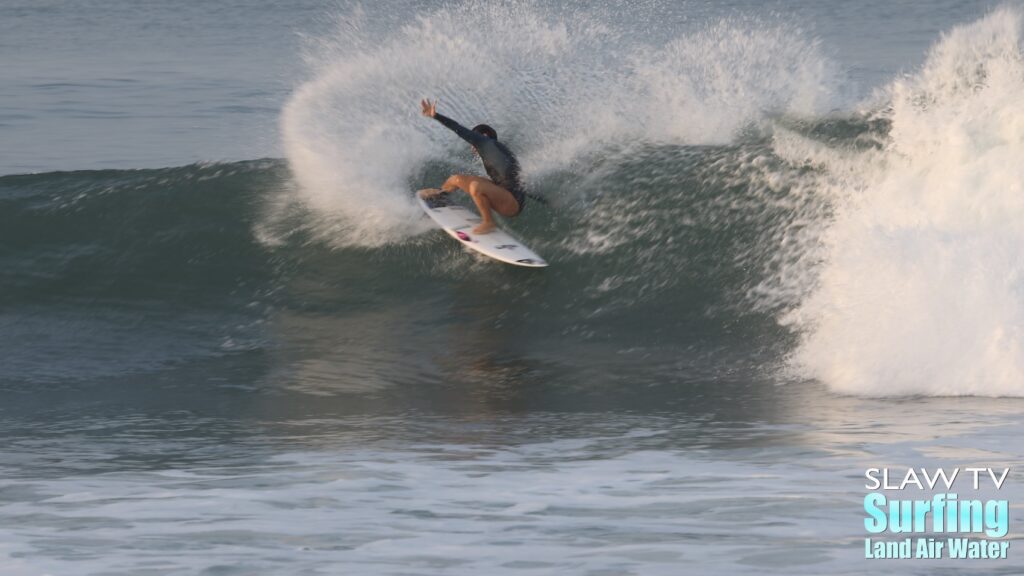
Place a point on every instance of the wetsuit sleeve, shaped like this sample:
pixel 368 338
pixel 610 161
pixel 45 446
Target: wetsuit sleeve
pixel 463 132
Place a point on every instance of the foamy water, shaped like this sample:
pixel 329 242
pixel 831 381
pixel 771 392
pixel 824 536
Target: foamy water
pixel 920 290
pixel 646 495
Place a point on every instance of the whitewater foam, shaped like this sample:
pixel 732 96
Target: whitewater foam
pixel 921 290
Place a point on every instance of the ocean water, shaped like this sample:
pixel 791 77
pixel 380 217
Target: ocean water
pixel 786 244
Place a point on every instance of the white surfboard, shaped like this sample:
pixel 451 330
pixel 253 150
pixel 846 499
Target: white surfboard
pixel 459 221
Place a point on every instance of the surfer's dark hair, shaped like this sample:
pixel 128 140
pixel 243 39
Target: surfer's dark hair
pixel 485 130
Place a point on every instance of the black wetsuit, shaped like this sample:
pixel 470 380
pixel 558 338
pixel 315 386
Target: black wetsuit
pixel 499 162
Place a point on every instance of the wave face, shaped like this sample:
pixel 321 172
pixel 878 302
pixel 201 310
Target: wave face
pixel 712 218
pixel 134 270
pixel 113 272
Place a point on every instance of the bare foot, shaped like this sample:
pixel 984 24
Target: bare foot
pixel 484 228
pixel 429 192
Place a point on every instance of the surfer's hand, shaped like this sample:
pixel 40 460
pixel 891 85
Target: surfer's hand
pixel 429 108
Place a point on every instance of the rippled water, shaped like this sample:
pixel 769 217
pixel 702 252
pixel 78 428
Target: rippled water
pixel 583 492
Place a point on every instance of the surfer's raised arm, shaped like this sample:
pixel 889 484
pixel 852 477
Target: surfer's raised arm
pixel 430 111
pixel 502 192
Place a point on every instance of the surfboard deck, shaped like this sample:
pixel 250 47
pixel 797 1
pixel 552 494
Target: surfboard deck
pixel 459 221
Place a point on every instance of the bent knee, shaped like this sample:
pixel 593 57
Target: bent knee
pixel 457 180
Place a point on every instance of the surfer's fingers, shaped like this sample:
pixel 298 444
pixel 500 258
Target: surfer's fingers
pixel 429 108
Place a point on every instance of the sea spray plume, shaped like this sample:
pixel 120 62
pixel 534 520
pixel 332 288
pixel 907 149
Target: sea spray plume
pixel 353 136
pixel 922 286
pixel 566 86
pixel 706 86
pixel 701 86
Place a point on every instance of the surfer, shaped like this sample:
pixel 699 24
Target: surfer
pixel 503 193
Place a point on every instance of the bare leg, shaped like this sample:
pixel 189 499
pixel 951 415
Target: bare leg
pixel 487 196
pixel 483 204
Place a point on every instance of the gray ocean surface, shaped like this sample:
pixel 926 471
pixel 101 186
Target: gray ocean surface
pixel 229 345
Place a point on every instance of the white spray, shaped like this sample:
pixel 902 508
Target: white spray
pixel 555 85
